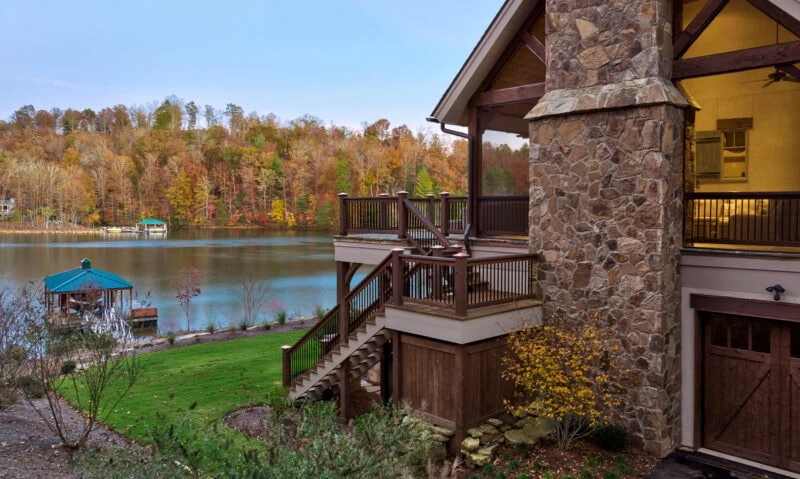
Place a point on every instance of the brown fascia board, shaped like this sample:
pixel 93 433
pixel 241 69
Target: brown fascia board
pixel 481 60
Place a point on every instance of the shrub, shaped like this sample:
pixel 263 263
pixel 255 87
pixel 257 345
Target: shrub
pixel 266 325
pixel 319 312
pixel 171 337
pixel 611 437
pixel 211 326
pixel 565 371
pixel 68 366
pixel 244 324
pixel 280 317
pixel 31 386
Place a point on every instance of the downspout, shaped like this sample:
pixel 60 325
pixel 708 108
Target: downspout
pixel 468 214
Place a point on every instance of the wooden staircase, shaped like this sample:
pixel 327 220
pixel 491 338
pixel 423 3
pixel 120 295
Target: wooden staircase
pixel 362 351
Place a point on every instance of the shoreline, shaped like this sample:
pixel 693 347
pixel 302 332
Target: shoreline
pixel 100 231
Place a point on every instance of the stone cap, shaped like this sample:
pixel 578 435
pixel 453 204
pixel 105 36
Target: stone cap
pixel 639 92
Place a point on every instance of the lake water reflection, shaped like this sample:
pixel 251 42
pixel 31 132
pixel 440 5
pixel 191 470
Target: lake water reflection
pixel 299 267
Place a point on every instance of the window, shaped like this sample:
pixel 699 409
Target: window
pixel 722 153
pixel 734 155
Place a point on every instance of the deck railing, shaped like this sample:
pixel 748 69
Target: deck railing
pixel 460 283
pixel 499 215
pixel 455 283
pixel 763 219
pixel 503 215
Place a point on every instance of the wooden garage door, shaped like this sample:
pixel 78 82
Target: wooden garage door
pixel 751 389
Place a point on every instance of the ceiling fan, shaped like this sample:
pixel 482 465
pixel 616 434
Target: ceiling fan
pixel 785 72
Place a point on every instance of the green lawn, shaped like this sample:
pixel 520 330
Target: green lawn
pixel 209 380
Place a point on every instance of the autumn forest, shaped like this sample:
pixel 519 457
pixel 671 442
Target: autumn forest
pixel 202 166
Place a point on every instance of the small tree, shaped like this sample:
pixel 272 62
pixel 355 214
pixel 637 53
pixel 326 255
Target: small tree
pixel 12 339
pixel 187 286
pixel 255 295
pixel 109 369
pixel 566 372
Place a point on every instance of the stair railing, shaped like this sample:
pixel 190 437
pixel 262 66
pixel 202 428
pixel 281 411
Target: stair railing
pixel 418 229
pixel 365 300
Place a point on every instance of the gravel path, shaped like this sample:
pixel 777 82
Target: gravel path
pixel 28 450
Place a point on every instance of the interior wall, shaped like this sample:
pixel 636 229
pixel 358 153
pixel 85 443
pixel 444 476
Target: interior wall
pixel 773 142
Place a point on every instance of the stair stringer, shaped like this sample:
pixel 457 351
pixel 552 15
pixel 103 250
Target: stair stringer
pixel 364 344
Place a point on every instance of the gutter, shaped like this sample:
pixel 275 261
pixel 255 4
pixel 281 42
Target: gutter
pixel 468 215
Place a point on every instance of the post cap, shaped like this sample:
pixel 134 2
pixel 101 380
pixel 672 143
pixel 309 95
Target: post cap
pixel 461 255
pixel 285 347
pixel 444 193
pixel 383 194
pixel 437 246
pixel 398 250
pixel 402 192
pixel 342 194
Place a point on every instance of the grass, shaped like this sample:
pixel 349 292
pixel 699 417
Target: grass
pixel 205 381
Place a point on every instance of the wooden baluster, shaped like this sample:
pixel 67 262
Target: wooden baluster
pixel 437 251
pixel 383 212
pixel 461 290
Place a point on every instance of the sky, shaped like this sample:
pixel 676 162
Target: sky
pixel 344 61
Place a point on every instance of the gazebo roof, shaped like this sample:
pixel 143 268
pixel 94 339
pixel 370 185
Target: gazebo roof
pixel 83 278
pixel 151 221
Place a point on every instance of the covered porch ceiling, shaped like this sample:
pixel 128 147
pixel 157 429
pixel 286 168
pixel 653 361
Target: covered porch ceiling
pixel 503 77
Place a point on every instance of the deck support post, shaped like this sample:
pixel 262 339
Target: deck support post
pixel 342 288
pixel 386 372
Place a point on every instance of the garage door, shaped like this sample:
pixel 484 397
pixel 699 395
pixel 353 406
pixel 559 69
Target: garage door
pixel 751 388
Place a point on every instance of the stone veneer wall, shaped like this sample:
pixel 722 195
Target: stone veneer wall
pixel 606 216
pixel 606 192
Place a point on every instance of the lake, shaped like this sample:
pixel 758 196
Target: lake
pixel 298 266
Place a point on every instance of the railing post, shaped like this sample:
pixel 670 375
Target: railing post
pixel 402 217
pixel 287 366
pixel 383 212
pixel 342 214
pixel 461 291
pixel 397 276
pixel 444 213
pixel 431 208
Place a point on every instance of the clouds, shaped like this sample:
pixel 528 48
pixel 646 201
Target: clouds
pixel 46 81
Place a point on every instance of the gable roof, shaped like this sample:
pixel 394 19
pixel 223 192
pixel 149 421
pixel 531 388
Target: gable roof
pixel 452 108
pixel 82 278
pixel 151 221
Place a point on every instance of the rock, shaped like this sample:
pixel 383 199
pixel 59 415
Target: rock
pixel 505 427
pixel 488 429
pixel 531 432
pixel 475 432
pixel 495 422
pixel 480 458
pixel 470 444
pixel 442 430
pixel 439 438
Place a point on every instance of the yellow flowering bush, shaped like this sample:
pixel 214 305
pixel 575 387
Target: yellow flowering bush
pixel 565 372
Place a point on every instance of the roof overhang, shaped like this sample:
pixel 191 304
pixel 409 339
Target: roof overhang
pixel 452 108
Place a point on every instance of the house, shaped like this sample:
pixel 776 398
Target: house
pixel 664 193
pixel 7 206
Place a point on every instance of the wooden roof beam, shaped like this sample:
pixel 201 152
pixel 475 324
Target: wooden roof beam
pixel 774 12
pixel 790 70
pixel 730 62
pixel 699 23
pixel 535 46
pixel 506 96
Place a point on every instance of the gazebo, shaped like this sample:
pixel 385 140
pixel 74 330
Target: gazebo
pixel 86 289
pixel 151 225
